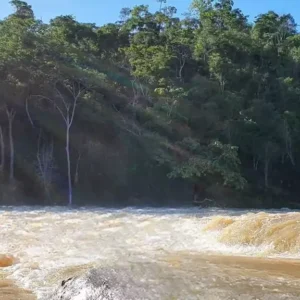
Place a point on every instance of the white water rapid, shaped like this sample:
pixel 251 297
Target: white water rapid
pixel 175 253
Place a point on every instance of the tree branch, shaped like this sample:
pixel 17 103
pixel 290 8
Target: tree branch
pixel 62 98
pixel 76 97
pixel 56 106
pixel 28 114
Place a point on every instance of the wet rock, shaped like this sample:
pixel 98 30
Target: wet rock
pixel 97 284
pixel 7 260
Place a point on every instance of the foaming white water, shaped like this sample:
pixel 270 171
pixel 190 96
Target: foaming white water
pixel 50 240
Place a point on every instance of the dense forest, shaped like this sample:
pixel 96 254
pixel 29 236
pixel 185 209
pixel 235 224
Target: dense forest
pixel 140 110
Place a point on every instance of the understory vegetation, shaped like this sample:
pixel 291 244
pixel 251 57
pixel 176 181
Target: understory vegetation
pixel 138 111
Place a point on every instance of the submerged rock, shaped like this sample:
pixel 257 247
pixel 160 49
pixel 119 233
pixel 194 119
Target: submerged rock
pixel 7 260
pixel 97 284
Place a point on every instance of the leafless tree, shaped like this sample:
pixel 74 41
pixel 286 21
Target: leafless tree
pixel 45 164
pixel 182 57
pixel 66 104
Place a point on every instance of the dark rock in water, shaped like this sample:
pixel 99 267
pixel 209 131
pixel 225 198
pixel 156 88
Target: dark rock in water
pixel 98 284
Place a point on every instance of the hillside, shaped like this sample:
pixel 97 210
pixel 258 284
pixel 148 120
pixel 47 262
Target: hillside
pixel 140 111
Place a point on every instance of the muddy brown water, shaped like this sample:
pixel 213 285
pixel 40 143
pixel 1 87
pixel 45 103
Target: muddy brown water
pixel 176 254
pixel 9 291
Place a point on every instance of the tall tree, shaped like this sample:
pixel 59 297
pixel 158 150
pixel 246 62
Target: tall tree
pixel 65 100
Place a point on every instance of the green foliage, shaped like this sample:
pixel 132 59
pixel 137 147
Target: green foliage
pixel 16 39
pixel 22 9
pixel 148 63
pixel 214 160
pixel 208 97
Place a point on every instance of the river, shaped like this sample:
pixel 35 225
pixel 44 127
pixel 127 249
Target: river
pixel 172 253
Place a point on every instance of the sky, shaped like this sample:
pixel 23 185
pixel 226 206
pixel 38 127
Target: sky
pixel 105 11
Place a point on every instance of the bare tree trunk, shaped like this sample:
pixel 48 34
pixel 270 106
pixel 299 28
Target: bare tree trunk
pixel 67 111
pixel 45 162
pixel 182 62
pixel 11 115
pixel 76 177
pixel 40 163
pixel 2 146
pixel 70 193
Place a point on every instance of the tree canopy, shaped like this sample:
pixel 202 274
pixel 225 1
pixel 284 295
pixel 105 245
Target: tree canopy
pixel 164 102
